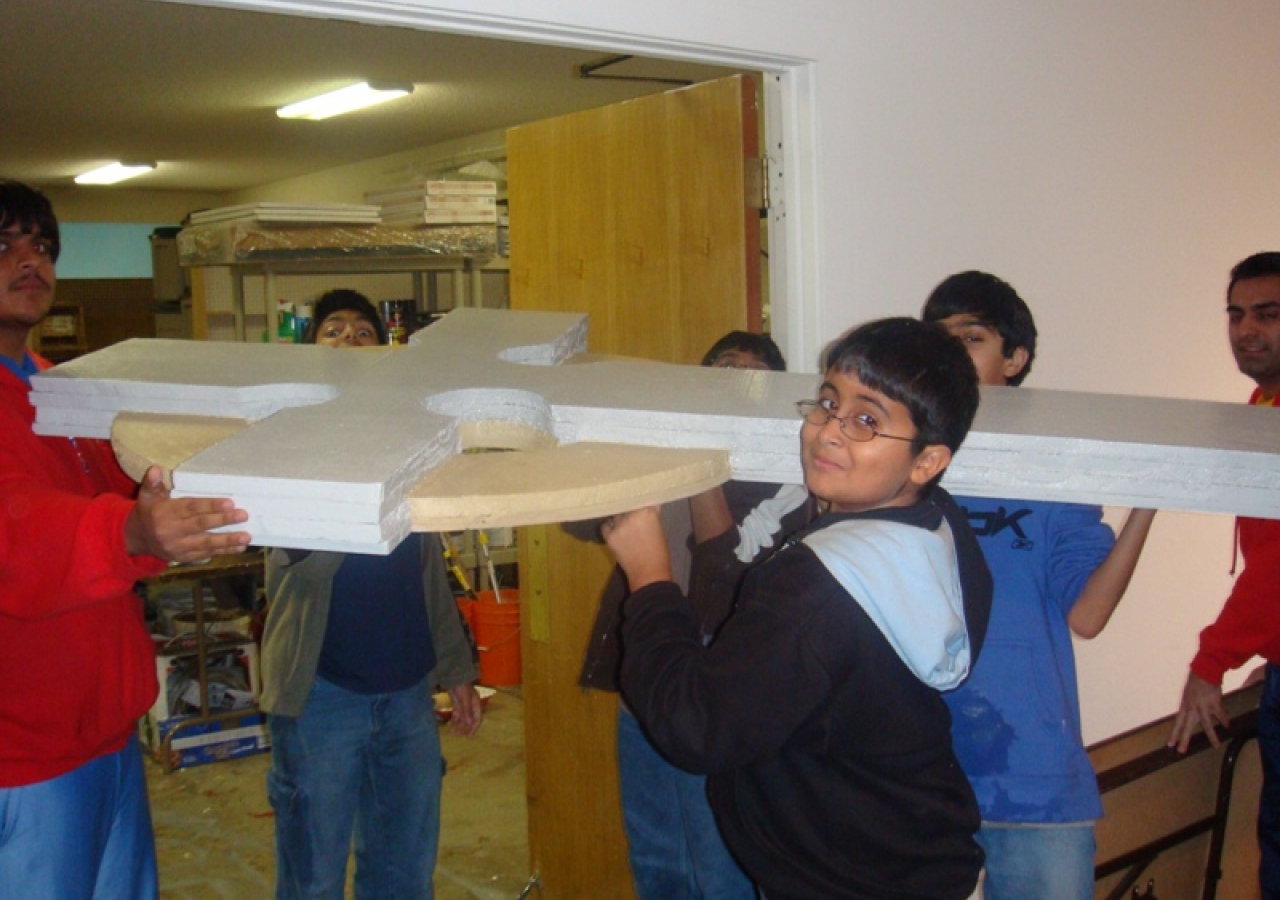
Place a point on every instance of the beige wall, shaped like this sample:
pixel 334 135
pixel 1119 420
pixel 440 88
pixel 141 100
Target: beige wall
pixel 1110 160
pixel 347 184
pixel 124 205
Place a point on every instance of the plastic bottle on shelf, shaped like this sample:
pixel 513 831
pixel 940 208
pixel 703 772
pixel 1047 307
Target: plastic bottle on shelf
pixel 396 315
pixel 301 322
pixel 284 322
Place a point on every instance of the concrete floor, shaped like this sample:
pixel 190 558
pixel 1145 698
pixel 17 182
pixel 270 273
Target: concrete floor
pixel 215 837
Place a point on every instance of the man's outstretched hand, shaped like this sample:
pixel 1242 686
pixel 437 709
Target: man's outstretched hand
pixel 181 530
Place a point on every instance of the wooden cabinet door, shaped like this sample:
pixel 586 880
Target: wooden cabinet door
pixel 638 215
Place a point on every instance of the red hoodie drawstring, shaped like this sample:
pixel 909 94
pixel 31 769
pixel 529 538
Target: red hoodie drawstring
pixel 1235 547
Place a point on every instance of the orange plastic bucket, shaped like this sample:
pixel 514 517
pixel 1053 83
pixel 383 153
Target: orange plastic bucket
pixel 497 631
pixel 468 606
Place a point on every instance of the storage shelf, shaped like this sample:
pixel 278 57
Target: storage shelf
pixel 61 335
pixel 197 576
pixel 466 273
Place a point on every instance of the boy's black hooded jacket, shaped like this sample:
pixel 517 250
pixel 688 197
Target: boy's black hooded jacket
pixel 830 766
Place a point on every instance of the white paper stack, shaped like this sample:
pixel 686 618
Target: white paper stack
pixel 292 214
pixel 438 203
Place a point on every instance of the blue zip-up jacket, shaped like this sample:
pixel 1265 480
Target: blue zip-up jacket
pixel 1016 721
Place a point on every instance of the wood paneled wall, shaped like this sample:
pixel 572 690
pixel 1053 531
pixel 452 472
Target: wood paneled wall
pixel 115 309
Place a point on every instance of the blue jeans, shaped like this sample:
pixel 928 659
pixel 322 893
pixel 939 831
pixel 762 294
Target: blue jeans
pixel 1269 808
pixel 674 846
pixel 86 834
pixel 1048 863
pixel 356 766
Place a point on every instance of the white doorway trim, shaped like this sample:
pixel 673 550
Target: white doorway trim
pixel 791 124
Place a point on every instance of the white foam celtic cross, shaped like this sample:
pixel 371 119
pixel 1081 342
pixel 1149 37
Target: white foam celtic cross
pixel 352 450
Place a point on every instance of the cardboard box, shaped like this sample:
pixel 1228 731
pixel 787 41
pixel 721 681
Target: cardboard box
pixel 206 742
pixel 220 699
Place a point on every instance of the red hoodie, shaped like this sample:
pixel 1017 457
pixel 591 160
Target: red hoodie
pixel 1249 624
pixel 77 668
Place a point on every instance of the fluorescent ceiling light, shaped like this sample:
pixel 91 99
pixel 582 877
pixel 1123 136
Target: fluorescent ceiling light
pixel 345 100
pixel 117 171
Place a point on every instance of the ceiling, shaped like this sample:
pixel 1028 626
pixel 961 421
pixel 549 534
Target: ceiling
pixel 195 89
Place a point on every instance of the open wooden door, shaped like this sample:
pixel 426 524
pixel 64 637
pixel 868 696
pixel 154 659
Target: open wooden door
pixel 637 214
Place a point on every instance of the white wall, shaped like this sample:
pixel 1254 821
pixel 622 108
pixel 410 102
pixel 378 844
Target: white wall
pixel 1112 160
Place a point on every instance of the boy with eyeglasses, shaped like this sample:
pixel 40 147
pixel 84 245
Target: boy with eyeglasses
pixel 1058 570
pixel 816 711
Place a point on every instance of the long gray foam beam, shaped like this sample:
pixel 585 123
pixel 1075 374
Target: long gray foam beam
pixel 344 435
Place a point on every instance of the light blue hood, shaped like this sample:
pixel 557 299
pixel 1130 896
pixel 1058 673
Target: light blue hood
pixel 906 579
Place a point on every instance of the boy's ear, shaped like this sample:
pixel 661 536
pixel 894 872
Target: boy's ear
pixel 929 463
pixel 1015 362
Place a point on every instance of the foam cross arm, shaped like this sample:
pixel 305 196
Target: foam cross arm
pixel 352 450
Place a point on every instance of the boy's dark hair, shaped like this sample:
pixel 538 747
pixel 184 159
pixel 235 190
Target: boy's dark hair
pixel 343 298
pixel 1260 265
pixel 31 211
pixel 995 303
pixel 918 364
pixel 747 342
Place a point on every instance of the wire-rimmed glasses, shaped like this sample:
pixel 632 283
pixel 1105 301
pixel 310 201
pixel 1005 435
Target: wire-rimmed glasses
pixel 853 427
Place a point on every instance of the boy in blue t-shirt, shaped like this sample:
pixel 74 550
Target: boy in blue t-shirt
pixel 352 649
pixel 1058 570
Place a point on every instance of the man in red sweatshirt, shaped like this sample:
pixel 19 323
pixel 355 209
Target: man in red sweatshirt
pixel 1249 624
pixel 77 668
